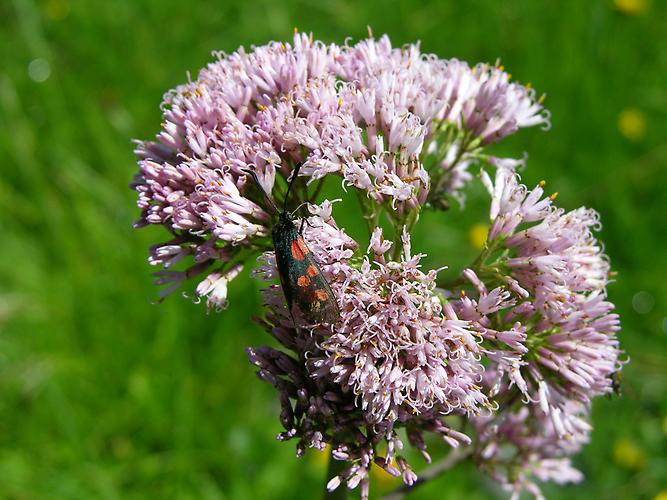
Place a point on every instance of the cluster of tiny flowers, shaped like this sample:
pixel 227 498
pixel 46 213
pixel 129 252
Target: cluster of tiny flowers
pixel 393 360
pixel 548 331
pixel 515 349
pixel 379 117
pixel 521 445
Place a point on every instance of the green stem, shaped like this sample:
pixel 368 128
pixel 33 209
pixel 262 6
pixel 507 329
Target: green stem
pixel 371 214
pixel 478 265
pixel 311 199
pixel 465 142
pixel 469 145
pixel 405 223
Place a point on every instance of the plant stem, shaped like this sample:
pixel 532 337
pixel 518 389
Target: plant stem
pixel 478 265
pixel 454 458
pixel 405 223
pixel 335 468
pixel 370 214
pixel 313 198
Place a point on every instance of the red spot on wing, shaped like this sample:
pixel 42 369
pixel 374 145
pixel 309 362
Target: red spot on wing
pixel 321 294
pixel 311 270
pixel 299 249
pixel 303 281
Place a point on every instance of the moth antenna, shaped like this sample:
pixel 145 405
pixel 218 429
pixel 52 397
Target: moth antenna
pixel 295 173
pixel 272 205
pixel 299 207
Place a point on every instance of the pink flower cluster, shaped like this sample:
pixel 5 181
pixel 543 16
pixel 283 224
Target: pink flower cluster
pixel 370 113
pixel 393 360
pixel 518 346
pixel 548 331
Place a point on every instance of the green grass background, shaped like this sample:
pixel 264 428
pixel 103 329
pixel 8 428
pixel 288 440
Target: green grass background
pixel 105 395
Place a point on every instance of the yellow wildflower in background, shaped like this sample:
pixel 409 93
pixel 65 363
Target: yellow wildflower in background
pixel 383 478
pixel 478 234
pixel 322 458
pixel 628 455
pixel 632 123
pixel 631 7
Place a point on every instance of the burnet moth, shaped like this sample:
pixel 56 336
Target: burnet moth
pixel 310 299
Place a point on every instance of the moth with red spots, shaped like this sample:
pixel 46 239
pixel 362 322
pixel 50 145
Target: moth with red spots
pixel 306 290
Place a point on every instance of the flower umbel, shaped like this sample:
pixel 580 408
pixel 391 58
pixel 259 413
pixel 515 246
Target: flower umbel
pixel 509 355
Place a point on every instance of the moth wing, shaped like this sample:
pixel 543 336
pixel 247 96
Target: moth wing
pixel 310 297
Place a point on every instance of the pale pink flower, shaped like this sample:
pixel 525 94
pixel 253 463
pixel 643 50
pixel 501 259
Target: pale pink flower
pixel 554 257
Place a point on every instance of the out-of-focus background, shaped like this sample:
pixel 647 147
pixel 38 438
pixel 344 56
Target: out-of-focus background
pixel 104 394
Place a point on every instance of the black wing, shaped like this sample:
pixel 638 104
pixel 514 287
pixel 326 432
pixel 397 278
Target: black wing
pixel 309 296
